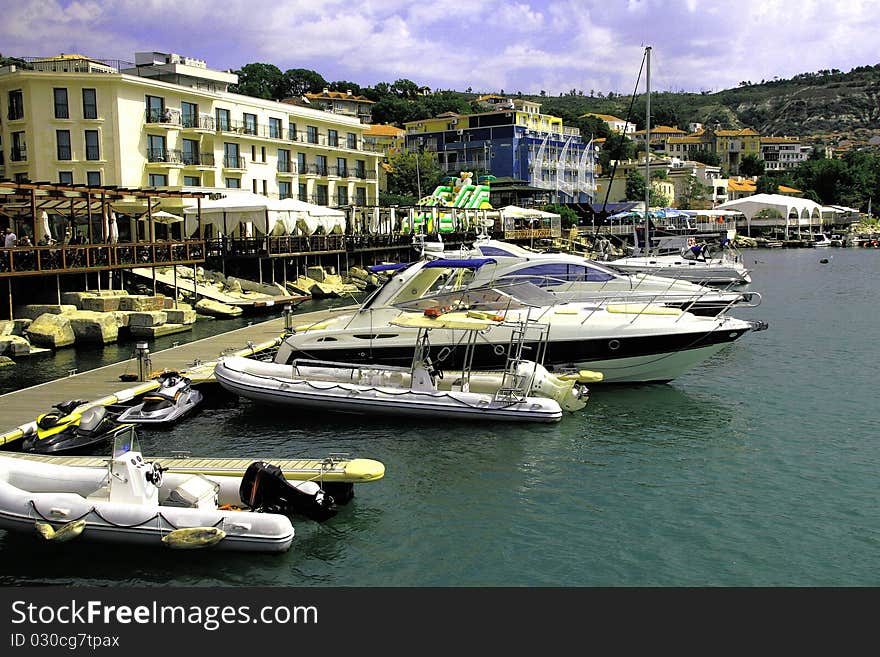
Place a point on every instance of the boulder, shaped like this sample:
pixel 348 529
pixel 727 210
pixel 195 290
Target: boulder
pixel 33 311
pixel 100 304
pixel 158 331
pixel 302 285
pixel 75 298
pixel 20 326
pixel 316 273
pixel 233 286
pixel 120 317
pixel 51 330
pixel 94 327
pixel 181 316
pixel 7 327
pixel 147 318
pixel 6 362
pixel 217 309
pixel 14 345
pixel 141 303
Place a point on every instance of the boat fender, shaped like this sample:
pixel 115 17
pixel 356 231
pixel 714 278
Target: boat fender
pixel 191 538
pixel 65 533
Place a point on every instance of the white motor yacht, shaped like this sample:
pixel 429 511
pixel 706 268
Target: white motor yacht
pixel 628 341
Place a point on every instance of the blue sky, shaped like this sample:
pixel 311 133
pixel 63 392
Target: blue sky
pixel 487 45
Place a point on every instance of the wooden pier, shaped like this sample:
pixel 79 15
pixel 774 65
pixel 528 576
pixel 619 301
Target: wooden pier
pixel 101 385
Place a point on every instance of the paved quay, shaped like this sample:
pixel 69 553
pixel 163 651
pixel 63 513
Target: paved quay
pixel 23 406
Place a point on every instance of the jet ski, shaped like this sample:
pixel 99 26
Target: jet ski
pixel 73 427
pixel 174 398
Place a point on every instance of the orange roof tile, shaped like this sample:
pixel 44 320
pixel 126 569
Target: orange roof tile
pixel 384 130
pixel 339 95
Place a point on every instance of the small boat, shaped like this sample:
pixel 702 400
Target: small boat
pixel 174 399
pixel 134 501
pixel 75 427
pixel 523 391
pixel 821 239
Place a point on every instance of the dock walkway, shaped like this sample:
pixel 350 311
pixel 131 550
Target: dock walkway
pixel 23 406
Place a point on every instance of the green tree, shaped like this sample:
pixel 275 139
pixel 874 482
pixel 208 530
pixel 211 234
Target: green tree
pixel 767 185
pixel 709 158
pixel 300 81
pixel 635 190
pixel 345 86
pixel 412 173
pixel 258 80
pixel 693 191
pixel 569 217
pixel 751 165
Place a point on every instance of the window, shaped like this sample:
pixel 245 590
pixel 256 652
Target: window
pixel 253 153
pixel 341 167
pixel 312 134
pixel 351 141
pixel 19 147
pixel 190 151
pixel 93 178
pixel 250 123
pixel 321 194
pixel 62 140
pixel 321 165
pixel 303 192
pixel 192 181
pixel 93 151
pixel 62 111
pixel 284 189
pixel 275 128
pixel 360 196
pixel 284 161
pixel 342 196
pixel 233 183
pixel 155 109
pixel 301 162
pixel 262 153
pixel 360 169
pixel 90 104
pixel 556 273
pixel 265 188
pixel 65 177
pixel 231 160
pixel 332 138
pixel 189 115
pixel 156 149
pixel 254 185
pixel 291 131
pixel 158 180
pixel 223 119
pixel 16 105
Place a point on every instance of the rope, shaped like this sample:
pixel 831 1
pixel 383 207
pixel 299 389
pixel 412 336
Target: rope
pixel 159 515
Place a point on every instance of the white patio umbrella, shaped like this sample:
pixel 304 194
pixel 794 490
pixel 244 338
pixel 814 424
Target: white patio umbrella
pixel 43 230
pixel 113 232
pixel 162 217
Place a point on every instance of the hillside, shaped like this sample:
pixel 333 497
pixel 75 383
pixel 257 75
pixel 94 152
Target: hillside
pixel 845 104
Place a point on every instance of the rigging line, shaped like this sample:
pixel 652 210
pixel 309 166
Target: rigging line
pixel 623 135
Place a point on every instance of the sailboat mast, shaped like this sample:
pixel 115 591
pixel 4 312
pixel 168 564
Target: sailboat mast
pixel 647 146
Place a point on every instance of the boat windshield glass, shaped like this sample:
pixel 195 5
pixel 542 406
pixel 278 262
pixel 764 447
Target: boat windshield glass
pixel 493 297
pixel 432 281
pixel 126 441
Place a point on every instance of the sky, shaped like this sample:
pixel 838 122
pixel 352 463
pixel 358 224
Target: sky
pixel 512 46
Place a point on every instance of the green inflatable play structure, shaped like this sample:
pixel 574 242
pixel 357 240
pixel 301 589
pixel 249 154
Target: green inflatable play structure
pixel 458 193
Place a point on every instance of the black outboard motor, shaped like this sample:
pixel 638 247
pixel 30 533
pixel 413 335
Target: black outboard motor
pixel 264 488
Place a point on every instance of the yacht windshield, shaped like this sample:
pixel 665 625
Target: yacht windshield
pixel 431 281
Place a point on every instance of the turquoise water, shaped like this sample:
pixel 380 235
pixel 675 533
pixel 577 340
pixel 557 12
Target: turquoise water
pixel 757 469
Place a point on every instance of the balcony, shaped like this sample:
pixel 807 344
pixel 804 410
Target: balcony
pixel 339 172
pixel 286 168
pixel 165 156
pixel 167 118
pixel 201 124
pixel 204 160
pixel 234 162
pixel 317 169
pixel 18 154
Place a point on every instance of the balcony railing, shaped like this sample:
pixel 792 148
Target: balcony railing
pixel 198 159
pixel 286 167
pixel 58 259
pixel 233 162
pixel 167 155
pixel 203 122
pixel 18 154
pixel 167 116
pixel 15 113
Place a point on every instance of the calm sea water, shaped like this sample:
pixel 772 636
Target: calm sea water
pixel 760 468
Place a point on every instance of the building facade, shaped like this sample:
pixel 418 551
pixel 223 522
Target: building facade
pixel 516 141
pixel 781 153
pixel 615 124
pixel 168 121
pixel 345 104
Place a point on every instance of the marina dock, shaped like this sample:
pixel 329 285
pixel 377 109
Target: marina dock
pixel 101 385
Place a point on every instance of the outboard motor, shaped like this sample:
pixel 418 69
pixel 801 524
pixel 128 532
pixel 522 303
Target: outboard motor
pixel 264 488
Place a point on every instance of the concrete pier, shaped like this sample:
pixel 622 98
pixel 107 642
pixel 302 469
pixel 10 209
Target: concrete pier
pixel 23 406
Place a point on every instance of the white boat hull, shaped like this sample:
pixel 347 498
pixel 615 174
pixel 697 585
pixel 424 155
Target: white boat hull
pixel 706 273
pixel 33 492
pixel 274 384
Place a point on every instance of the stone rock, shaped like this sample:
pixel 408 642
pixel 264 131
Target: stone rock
pixel 316 273
pixel 302 285
pixel 181 316
pixel 147 318
pixel 217 309
pixel 33 311
pixel 141 303
pixel 7 327
pixel 21 326
pixel 51 330
pixel 94 327
pixel 157 331
pixel 101 304
pixel 76 298
pixel 6 362
pixel 233 286
pixel 14 345
pixel 121 318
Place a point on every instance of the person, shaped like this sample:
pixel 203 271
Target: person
pixel 25 241
pixel 10 239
